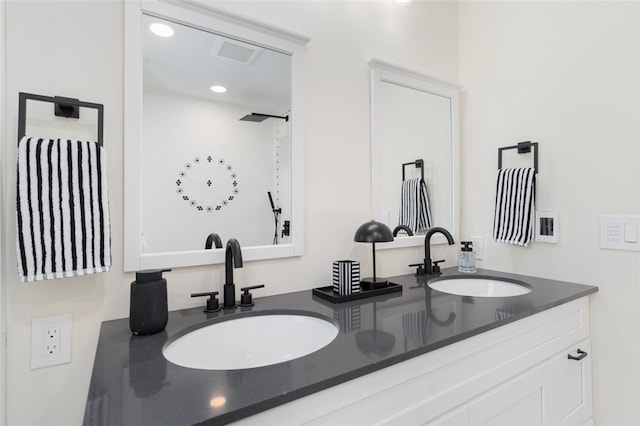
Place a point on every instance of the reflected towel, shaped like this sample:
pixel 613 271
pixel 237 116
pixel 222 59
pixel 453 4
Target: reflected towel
pixel 62 206
pixel 514 210
pixel 415 212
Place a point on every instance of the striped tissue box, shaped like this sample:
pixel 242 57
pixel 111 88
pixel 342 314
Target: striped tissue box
pixel 346 277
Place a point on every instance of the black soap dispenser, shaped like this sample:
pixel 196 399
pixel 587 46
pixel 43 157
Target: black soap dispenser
pixel 148 310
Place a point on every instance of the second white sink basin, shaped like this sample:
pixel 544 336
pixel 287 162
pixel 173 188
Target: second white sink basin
pixel 251 341
pixel 480 286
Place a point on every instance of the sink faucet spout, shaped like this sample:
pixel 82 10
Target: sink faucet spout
pixel 233 259
pixel 428 266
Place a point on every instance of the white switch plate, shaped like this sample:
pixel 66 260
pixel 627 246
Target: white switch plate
pixel 50 340
pixel 547 226
pixel 478 247
pixel 385 217
pixel 620 232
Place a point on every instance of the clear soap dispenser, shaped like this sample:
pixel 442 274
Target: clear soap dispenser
pixel 466 258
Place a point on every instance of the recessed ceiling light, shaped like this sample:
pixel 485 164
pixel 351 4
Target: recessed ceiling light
pixel 161 30
pixel 218 89
pixel 401 1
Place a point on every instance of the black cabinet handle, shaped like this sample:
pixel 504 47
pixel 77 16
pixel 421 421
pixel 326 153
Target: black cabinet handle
pixel 581 355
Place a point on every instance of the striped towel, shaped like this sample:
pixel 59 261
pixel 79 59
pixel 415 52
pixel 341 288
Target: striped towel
pixel 415 212
pixel 515 209
pixel 416 327
pixel 62 205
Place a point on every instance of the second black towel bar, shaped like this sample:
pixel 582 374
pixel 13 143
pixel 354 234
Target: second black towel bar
pixel 63 107
pixel 523 148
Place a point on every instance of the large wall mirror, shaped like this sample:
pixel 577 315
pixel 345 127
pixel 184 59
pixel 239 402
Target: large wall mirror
pixel 414 152
pixel 213 135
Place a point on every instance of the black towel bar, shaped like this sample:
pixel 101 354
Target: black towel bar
pixel 419 163
pixel 63 107
pixel 523 148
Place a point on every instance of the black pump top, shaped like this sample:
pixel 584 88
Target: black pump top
pixel 150 275
pixel 467 245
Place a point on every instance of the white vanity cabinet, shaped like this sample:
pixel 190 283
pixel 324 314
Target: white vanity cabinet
pixel 516 374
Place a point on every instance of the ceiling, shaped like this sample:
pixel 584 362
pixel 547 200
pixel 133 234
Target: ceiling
pixel 192 60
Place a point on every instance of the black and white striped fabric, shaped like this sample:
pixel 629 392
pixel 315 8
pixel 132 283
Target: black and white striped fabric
pixel 415 212
pixel 63 227
pixel 515 206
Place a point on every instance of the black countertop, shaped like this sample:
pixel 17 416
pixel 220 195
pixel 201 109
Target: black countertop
pixel 133 384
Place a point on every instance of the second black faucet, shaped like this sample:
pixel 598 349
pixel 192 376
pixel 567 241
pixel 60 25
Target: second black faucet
pixel 429 267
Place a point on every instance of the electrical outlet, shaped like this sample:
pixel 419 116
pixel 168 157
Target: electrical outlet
pixel 478 247
pixel 50 340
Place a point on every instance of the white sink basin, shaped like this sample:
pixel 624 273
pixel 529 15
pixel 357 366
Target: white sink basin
pixel 480 286
pixel 251 341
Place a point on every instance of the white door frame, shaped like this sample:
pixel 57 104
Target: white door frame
pixel 3 331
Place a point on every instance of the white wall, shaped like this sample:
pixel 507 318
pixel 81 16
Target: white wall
pixel 69 49
pixel 566 74
pixel 75 49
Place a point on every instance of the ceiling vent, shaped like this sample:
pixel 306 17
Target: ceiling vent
pixel 235 51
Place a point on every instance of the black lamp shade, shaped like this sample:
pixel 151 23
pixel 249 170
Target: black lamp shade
pixel 373 232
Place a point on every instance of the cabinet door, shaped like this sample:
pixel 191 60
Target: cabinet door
pixel 526 399
pixel 459 416
pixel 573 384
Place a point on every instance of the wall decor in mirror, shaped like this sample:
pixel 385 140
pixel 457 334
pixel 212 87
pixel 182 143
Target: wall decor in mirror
pixel 414 153
pixel 213 135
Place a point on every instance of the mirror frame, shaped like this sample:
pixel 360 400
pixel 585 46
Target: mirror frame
pixel 382 71
pixel 228 24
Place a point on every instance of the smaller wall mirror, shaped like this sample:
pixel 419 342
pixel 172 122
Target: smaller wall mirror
pixel 414 152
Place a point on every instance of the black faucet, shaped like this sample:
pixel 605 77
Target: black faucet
pixel 404 228
pixel 428 264
pixel 213 239
pixel 233 259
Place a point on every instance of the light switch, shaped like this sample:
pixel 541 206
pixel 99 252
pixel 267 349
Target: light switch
pixel 630 233
pixel 613 232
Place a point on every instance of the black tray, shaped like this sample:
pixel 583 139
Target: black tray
pixel 327 293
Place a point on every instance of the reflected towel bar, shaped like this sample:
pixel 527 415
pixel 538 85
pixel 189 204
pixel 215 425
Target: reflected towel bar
pixel 63 107
pixel 419 163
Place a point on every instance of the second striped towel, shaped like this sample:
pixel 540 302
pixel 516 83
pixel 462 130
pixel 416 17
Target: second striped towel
pixel 515 206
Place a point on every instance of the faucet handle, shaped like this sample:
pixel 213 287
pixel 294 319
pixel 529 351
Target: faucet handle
pixel 420 271
pixel 246 298
pixel 212 303
pixel 436 267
